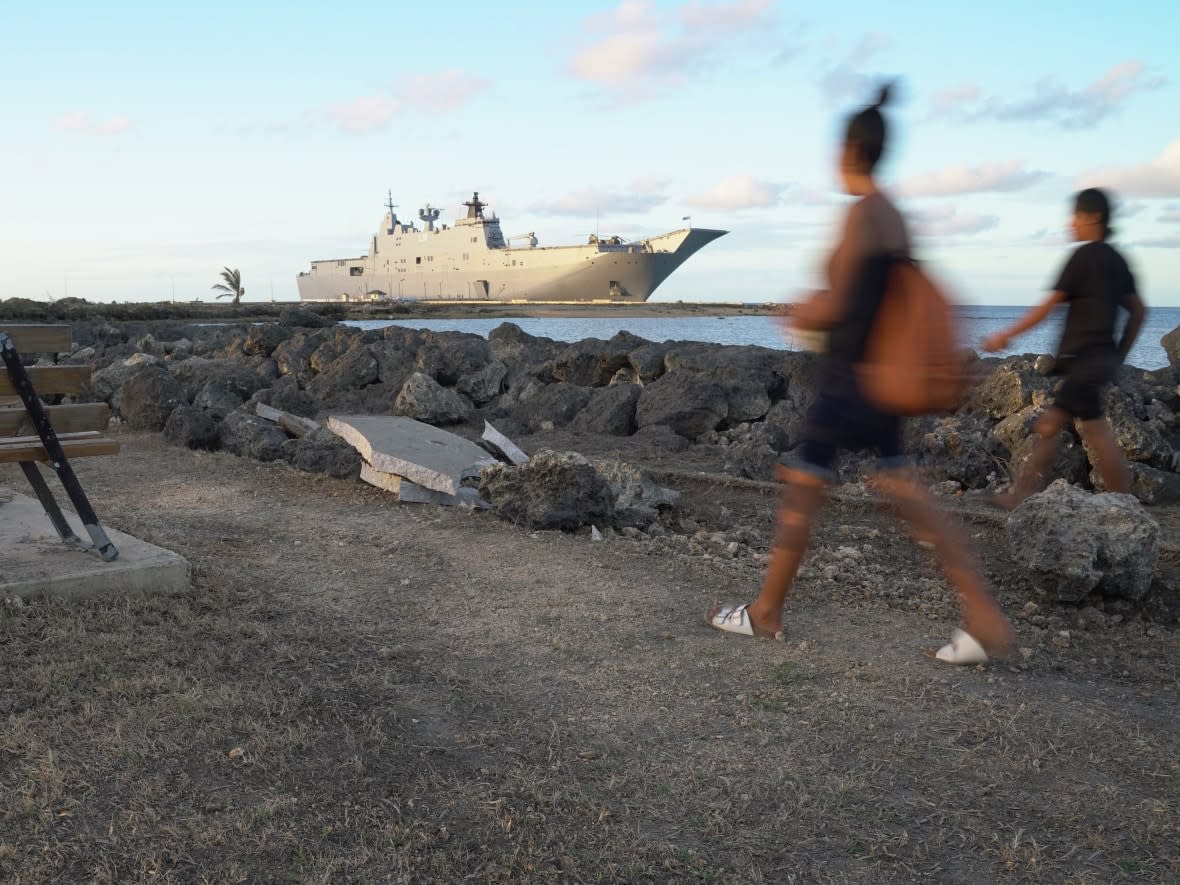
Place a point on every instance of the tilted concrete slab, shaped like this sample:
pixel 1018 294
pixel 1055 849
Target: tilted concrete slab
pixel 412 493
pixel 34 561
pixel 421 453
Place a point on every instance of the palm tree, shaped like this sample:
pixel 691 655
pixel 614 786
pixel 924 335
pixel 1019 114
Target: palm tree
pixel 232 287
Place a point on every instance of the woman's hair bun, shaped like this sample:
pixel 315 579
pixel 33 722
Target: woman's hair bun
pixel 884 94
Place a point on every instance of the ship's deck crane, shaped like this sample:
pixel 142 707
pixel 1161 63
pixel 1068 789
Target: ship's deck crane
pixel 530 236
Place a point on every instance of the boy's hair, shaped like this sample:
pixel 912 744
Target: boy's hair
pixel 866 129
pixel 1094 201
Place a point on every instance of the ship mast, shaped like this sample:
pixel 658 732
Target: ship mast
pixel 475 206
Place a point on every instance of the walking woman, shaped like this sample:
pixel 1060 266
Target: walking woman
pixel 1095 282
pixel 874 236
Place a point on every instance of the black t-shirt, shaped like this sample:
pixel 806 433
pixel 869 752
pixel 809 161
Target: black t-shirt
pixel 1097 282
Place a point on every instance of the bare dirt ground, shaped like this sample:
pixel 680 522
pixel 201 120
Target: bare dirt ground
pixel 361 691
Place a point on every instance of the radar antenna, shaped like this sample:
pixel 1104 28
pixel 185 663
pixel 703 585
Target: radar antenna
pixel 428 215
pixel 475 206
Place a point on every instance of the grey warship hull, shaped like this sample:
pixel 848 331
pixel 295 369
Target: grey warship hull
pixel 472 261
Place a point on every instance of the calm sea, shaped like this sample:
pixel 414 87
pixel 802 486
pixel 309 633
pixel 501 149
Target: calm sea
pixel 978 323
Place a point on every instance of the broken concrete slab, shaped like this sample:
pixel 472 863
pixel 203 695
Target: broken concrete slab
pixel 503 444
pixel 423 454
pixel 38 563
pixel 295 425
pixel 411 493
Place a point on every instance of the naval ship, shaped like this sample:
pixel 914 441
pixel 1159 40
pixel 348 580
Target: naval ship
pixel 471 260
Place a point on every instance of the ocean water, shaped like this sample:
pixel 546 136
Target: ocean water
pixel 977 324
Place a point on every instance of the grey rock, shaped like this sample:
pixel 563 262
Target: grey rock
pixel 355 368
pixel 962 448
pixel 1148 485
pixel 553 490
pixel 610 410
pixel 648 361
pixel 323 452
pixel 195 373
pixel 293 356
pixel 302 317
pixel 1069 459
pixel 285 394
pixel 192 428
pixel 263 338
pixel 483 385
pixel 591 362
pixel 448 356
pixel 685 401
pixel 1138 439
pixel 1072 543
pixel 660 438
pixel 752 460
pixel 1171 345
pixel 557 403
pixel 637 497
pixel 424 399
pixel 523 352
pixel 335 342
pixel 248 436
pixel 1007 389
pixel 147 397
pixel 395 363
pixel 217 399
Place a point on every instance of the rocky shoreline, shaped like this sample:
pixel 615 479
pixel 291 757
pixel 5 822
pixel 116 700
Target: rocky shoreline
pixel 742 406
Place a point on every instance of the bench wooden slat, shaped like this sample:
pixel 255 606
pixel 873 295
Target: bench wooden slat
pixel 50 379
pixel 39 339
pixel 65 419
pixel 75 445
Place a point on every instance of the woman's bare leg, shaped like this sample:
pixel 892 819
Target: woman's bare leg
pixel 802 495
pixel 981 615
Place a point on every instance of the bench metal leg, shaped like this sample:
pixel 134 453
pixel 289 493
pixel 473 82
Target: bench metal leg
pixel 57 459
pixel 45 496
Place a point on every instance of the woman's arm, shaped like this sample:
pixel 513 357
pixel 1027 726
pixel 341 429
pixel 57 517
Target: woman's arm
pixel 1034 317
pixel 1138 313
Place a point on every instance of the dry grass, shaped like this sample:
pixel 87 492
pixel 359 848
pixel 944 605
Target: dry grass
pixel 356 692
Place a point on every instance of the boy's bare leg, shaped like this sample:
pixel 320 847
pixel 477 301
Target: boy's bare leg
pixel 803 494
pixel 981 615
pixel 1028 481
pixel 1112 465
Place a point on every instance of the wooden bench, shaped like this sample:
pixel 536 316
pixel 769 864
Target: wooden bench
pixel 32 432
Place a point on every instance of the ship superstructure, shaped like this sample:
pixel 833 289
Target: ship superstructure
pixel 472 260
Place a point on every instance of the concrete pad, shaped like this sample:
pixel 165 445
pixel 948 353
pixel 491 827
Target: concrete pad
pixel 34 561
pixel 421 453
pixel 411 493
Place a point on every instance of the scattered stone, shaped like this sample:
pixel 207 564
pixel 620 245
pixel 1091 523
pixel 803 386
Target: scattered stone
pixel 426 455
pixel 147 397
pixel 1072 543
pixel 424 399
pixel 502 444
pixel 554 490
pixel 192 428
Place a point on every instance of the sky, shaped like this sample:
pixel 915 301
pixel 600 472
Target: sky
pixel 148 145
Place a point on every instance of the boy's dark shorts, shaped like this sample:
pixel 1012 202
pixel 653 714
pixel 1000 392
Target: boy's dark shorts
pixel 1080 395
pixel 848 423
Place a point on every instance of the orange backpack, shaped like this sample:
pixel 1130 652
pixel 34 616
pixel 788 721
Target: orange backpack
pixel 913 364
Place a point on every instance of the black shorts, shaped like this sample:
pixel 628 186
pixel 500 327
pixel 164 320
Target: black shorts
pixel 1080 395
pixel 848 423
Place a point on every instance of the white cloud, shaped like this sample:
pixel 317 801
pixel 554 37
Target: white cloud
pixel 442 91
pixel 1051 101
pixel 1170 215
pixel 948 222
pixel 643 195
pixel 739 192
pixel 847 79
pixel 989 178
pixel 638 48
pixel 1171 242
pixel 81 123
pixel 1156 178
pixel 365 114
